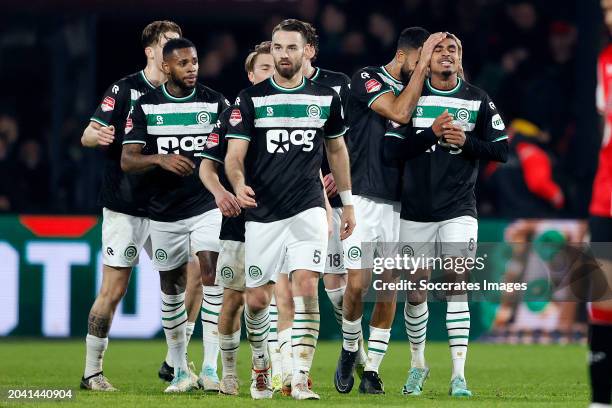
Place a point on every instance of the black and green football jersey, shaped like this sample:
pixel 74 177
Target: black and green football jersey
pixel 165 124
pixel 121 192
pixel 370 173
pixel 340 83
pixel 232 228
pixel 439 181
pixel 285 129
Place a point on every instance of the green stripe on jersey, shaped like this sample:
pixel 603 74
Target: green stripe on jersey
pixel 292 111
pixel 461 114
pixel 183 119
pixel 293 99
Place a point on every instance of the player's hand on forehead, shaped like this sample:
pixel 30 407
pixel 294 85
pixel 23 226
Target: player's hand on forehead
pixel 430 44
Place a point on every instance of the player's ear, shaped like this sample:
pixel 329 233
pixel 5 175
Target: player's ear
pixel 309 51
pixel 149 52
pixel 400 57
pixel 165 67
pixel 251 76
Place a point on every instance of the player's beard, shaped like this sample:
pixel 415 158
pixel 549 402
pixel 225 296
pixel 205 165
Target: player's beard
pixel 289 72
pixel 181 84
pixel 405 74
pixel 446 74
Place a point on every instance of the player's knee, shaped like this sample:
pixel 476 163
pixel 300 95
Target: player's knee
pixel 257 301
pixel 234 301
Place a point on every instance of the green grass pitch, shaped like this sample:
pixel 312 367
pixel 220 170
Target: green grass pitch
pixel 499 376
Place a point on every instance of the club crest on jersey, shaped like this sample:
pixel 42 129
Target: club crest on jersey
pixel 129 125
pixel 203 118
pixel 235 117
pixel 212 140
pixel 108 104
pixel 314 111
pixel 463 115
pixel 372 86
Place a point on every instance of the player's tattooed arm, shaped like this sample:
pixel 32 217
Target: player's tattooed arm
pixel 96 135
pixel 98 326
pixel 133 161
pixel 399 108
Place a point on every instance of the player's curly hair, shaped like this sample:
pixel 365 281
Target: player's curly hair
pixel 153 31
pixel 306 29
pixel 261 48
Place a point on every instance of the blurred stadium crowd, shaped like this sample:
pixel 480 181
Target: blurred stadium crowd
pixel 521 52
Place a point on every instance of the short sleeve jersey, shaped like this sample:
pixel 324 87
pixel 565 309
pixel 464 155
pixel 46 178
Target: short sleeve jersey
pixel 370 174
pixel 121 192
pixel 165 124
pixel 285 129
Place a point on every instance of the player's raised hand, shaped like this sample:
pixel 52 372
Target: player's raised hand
pixel 441 123
pixel 246 197
pixel 454 134
pixel 105 135
pixel 428 47
pixel 330 186
pixel 228 204
pixel 176 164
pixel 347 222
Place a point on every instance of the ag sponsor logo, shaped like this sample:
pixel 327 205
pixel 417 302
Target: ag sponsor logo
pixel 354 253
pixel 279 140
pixel 255 272
pixel 235 117
pixel 108 104
pixel 269 111
pixel 203 118
pixel 419 111
pixel 497 123
pixel 115 89
pixel 174 145
pixel 314 111
pixel 372 85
